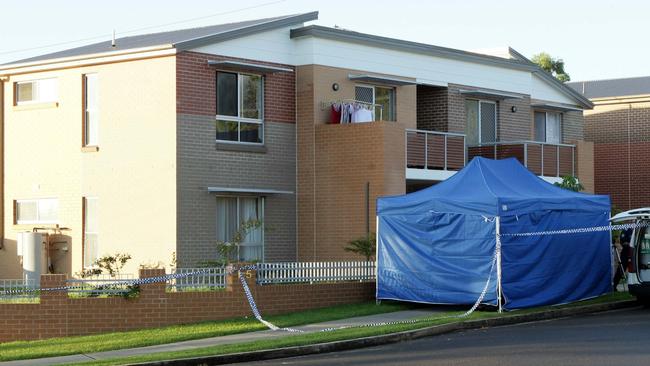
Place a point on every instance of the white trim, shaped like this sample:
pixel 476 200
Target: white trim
pixel 429 174
pixel 90 59
pixel 264 69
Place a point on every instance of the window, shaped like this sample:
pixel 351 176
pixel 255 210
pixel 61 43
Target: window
pixel 36 91
pixel 91 115
pixel 90 224
pixel 547 127
pixel 481 121
pixel 40 211
pixel 232 212
pixel 239 108
pixel 384 97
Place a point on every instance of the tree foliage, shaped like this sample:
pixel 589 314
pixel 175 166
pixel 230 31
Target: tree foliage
pixel 571 183
pixel 364 246
pixel 554 66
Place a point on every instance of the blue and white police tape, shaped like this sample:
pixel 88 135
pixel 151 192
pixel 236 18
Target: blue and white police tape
pixel 582 230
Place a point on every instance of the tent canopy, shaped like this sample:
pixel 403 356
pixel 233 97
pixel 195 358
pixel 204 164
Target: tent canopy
pixel 437 245
pixel 492 188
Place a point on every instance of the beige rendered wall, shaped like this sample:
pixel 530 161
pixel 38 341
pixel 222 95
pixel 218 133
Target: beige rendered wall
pixel 335 162
pixel 133 174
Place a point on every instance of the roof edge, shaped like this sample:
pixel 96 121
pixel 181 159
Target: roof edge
pixel 581 99
pixel 407 46
pixel 246 31
pixel 7 69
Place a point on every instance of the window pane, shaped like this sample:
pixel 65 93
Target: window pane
pixel 227 130
pixel 540 126
pixel 92 127
pixel 385 97
pixel 90 249
pixel 47 90
pixel 25 92
pixel 91 91
pixel 251 96
pixel 553 128
pixel 91 216
pixel 250 213
pixel 471 123
pixel 488 122
pixel 227 223
pixel 226 94
pixel 48 210
pixel 251 132
pixel 26 211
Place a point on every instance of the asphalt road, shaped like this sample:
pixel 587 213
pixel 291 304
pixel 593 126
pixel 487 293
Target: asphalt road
pixel 613 338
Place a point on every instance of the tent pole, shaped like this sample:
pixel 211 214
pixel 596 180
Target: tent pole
pixel 498 250
pixel 377 302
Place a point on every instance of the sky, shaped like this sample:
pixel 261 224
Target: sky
pixel 596 39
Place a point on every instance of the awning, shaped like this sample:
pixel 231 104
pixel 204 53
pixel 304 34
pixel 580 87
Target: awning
pixel 492 94
pixel 555 107
pixel 379 79
pixel 247 190
pixel 264 69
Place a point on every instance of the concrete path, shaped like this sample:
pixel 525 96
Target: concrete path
pixel 230 339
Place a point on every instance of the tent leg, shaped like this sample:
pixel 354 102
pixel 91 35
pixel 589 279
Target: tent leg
pixel 498 254
pixel 377 259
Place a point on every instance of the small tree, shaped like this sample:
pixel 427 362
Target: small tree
pixel 110 264
pixel 571 183
pixel 229 250
pixel 364 246
pixel 554 66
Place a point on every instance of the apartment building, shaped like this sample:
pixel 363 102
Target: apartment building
pixel 619 127
pixel 160 145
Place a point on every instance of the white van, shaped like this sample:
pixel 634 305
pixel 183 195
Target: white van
pixel 638 271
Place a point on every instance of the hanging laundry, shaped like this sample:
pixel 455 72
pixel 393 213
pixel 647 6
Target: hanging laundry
pixel 361 114
pixel 335 113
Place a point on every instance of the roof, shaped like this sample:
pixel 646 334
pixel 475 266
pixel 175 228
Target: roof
pixel 181 39
pixel 613 87
pixel 517 60
pixel 492 188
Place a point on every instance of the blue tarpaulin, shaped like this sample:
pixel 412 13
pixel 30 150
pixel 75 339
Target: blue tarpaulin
pixel 437 245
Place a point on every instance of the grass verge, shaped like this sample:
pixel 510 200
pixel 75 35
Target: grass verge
pixel 344 334
pixel 148 337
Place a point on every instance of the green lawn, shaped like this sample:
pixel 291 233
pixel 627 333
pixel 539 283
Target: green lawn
pixel 148 337
pixel 313 338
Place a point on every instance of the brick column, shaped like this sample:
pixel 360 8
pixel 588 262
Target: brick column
pixel 54 309
pixel 152 290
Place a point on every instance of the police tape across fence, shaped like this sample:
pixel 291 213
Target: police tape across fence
pixel 255 310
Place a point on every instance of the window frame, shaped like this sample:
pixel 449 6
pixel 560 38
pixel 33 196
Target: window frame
pixel 238 119
pixel 85 142
pixel 560 118
pixel 261 204
pixel 38 201
pixel 393 117
pixel 84 212
pixel 35 84
pixel 480 123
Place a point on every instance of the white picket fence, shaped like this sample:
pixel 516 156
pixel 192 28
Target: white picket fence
pixel 98 285
pixel 18 289
pixel 208 279
pixel 311 272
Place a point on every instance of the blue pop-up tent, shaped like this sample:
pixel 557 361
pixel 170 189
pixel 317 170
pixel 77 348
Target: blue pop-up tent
pixel 438 245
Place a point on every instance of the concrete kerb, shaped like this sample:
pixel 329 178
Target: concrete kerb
pixel 393 337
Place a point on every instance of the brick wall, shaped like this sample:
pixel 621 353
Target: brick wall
pixel 432 108
pixel 203 163
pixel 621 135
pixel 57 315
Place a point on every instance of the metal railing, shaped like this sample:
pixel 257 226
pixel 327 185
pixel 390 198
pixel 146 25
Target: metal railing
pixel 435 150
pixel 545 159
pixel 100 285
pixel 18 289
pixel 208 279
pixel 310 272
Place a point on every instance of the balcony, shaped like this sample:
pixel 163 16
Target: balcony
pixel 432 155
pixel 543 159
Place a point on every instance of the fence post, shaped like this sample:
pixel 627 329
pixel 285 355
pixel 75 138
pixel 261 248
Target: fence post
pixel 426 150
pixel 445 136
pixel 542 145
pixel 155 289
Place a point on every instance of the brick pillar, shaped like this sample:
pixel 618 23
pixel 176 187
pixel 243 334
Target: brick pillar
pixel 152 290
pixel 54 304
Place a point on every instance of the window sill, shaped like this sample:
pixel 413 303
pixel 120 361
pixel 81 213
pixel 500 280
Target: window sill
pixel 88 149
pixel 224 146
pixel 31 106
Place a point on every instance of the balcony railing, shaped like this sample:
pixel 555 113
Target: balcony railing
pixel 435 150
pixel 544 159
